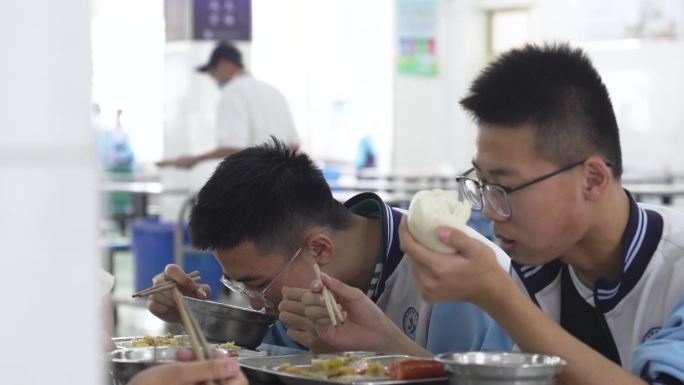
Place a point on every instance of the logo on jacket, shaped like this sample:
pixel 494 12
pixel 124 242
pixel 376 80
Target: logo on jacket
pixel 650 333
pixel 410 322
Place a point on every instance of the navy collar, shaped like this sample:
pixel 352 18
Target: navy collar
pixel 640 240
pixel 390 219
pixel 641 237
pixel 536 278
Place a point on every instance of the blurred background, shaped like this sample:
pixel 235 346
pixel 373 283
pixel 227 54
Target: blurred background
pixel 94 92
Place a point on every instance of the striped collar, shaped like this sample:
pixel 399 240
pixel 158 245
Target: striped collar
pixel 642 235
pixel 370 204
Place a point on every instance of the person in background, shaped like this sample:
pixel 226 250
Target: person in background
pixel 114 144
pixel 597 278
pixel 117 160
pixel 268 216
pixel 248 112
pixel 177 373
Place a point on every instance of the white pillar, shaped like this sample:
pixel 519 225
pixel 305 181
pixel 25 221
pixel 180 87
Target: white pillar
pixel 48 197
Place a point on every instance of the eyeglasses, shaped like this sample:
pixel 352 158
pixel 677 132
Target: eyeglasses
pixel 496 195
pixel 239 287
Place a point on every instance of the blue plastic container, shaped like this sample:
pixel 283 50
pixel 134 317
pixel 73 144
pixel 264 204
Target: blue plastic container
pixel 152 247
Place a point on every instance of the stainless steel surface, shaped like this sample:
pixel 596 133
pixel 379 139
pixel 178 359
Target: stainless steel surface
pixel 124 364
pixel 261 369
pixel 492 368
pixel 221 322
pixel 126 343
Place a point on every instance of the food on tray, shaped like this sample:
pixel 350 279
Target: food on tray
pixel 433 208
pixel 167 340
pixel 415 368
pixel 227 345
pixel 338 368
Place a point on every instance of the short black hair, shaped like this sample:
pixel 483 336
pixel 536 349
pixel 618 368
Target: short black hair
pixel 555 88
pixel 223 51
pixel 268 194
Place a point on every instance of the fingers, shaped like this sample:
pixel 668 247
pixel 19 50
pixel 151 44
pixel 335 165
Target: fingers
pixel 293 293
pixel 215 369
pixel 186 285
pixel 298 321
pixel 203 291
pixel 162 304
pixel 292 308
pixel 317 312
pixel 185 373
pixel 462 242
pixel 185 355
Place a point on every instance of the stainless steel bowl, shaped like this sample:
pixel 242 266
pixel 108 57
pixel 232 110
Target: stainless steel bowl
pixel 221 322
pixel 493 368
pixel 124 364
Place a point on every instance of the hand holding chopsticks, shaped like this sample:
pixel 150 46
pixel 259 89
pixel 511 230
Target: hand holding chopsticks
pixel 333 307
pixel 164 286
pixel 199 343
pixel 197 340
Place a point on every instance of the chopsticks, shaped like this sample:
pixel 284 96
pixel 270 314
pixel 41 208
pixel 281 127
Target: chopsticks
pixel 333 307
pixel 197 340
pixel 164 286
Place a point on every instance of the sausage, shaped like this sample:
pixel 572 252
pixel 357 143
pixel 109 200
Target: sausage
pixel 415 368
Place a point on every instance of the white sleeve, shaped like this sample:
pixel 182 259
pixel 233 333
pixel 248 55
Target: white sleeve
pixel 232 121
pixel 501 256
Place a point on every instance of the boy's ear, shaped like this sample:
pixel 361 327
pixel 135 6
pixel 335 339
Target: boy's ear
pixel 597 178
pixel 321 247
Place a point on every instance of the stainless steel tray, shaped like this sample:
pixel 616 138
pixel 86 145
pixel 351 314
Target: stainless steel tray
pixel 260 369
pixel 125 343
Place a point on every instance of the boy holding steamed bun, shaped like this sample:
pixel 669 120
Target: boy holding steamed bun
pixel 597 278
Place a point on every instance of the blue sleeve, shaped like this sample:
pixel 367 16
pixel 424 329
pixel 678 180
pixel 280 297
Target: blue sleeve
pixel 276 342
pixel 460 326
pixel 660 359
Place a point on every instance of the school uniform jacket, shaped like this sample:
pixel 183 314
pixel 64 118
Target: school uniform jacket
pixel 443 327
pixel 626 315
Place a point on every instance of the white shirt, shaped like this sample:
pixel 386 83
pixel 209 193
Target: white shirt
pixel 249 111
pixel 637 304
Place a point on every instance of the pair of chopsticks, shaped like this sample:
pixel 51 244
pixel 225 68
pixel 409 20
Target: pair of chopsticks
pixel 333 307
pixel 164 286
pixel 197 340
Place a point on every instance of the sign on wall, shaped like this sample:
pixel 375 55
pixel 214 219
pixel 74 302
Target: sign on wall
pixel 222 20
pixel 416 31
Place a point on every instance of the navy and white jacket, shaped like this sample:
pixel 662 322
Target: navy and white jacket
pixel 443 327
pixel 637 320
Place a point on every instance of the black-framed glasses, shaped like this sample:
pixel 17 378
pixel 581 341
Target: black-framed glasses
pixel 497 196
pixel 259 295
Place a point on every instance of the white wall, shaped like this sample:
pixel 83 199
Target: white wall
pixel 432 133
pixel 646 85
pixel 643 78
pixel 128 59
pixel 48 205
pixel 333 62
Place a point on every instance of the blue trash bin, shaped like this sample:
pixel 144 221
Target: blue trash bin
pixel 152 246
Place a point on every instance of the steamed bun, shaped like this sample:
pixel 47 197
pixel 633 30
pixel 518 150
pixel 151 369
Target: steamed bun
pixel 432 208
